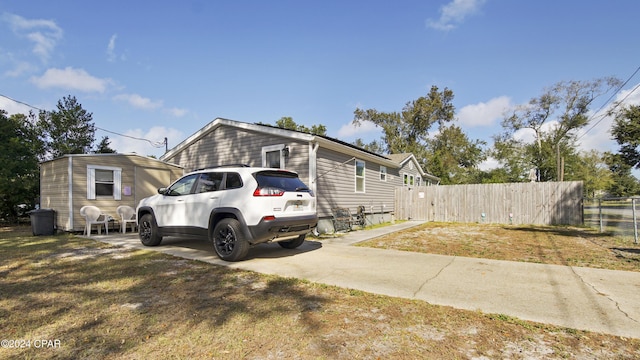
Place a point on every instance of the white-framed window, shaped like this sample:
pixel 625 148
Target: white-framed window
pixel 273 156
pixel 104 182
pixel 408 179
pixel 383 173
pixel 418 180
pixel 359 176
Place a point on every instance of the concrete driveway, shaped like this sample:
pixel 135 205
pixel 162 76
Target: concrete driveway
pixel 603 301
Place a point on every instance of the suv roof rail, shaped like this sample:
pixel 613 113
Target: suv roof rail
pixel 222 166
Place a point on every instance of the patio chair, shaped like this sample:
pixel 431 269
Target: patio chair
pixel 93 215
pixel 127 216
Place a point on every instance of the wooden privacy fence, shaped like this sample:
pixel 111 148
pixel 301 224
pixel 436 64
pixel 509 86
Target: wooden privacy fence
pixel 538 203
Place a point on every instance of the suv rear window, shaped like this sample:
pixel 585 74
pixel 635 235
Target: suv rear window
pixel 286 181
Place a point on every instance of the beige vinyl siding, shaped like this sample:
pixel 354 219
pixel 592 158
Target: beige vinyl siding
pixel 406 169
pixel 228 145
pixel 107 205
pixel 336 185
pixel 54 190
pixel 140 177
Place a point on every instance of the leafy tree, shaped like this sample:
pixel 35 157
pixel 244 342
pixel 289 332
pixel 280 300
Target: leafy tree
pixel 626 131
pixel 594 172
pixel 21 149
pixel 493 176
pixel 512 155
pixel 287 122
pixel 407 131
pixel 453 157
pixel 554 118
pixel 103 147
pixel 450 154
pixel 69 129
pixel 374 146
pixel 624 183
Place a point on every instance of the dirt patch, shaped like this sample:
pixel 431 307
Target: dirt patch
pixel 570 246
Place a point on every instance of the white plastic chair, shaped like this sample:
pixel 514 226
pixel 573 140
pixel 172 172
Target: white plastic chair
pixel 93 215
pixel 127 216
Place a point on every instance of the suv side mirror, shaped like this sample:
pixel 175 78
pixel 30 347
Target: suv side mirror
pixel 162 191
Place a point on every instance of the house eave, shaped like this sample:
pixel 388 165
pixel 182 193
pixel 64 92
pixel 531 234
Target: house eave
pixel 236 124
pixel 110 155
pixel 360 154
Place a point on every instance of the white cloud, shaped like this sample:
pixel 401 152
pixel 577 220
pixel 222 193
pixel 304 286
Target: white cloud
pixel 44 34
pixel 526 135
pixel 454 13
pixel 177 112
pixel 20 67
pixel 154 146
pixel 349 130
pixel 484 114
pixel 139 102
pixel 111 47
pixel 71 79
pixel 489 164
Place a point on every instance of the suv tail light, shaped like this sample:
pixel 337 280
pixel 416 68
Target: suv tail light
pixel 268 191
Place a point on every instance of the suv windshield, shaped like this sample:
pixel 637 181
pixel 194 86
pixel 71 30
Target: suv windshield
pixel 286 181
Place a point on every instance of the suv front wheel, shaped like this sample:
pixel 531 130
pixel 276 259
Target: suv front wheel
pixel 228 240
pixel 148 231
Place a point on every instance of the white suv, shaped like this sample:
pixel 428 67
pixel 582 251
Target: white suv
pixel 233 207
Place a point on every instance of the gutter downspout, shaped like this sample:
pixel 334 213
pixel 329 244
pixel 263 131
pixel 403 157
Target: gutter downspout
pixel 313 166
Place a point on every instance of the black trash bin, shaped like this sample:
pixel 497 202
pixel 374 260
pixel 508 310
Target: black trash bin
pixel 42 221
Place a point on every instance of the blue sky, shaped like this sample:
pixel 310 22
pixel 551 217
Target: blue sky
pixel 166 69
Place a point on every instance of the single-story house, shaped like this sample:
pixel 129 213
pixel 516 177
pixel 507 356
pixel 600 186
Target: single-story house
pixel 104 180
pixel 340 174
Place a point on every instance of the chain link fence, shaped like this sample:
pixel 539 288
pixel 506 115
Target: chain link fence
pixel 618 216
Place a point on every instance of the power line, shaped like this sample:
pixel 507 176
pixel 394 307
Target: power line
pixel 156 144
pixel 609 100
pixel 20 102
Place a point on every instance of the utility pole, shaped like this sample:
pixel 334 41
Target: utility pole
pixel 559 164
pixel 558 161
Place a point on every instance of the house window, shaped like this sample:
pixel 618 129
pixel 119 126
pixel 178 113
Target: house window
pixel 104 182
pixel 418 181
pixel 360 176
pixel 383 173
pixel 408 179
pixel 273 156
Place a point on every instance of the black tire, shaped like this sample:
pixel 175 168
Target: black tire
pixel 229 241
pixel 292 244
pixel 148 231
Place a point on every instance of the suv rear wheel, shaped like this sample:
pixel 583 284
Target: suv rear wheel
pixel 292 244
pixel 228 240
